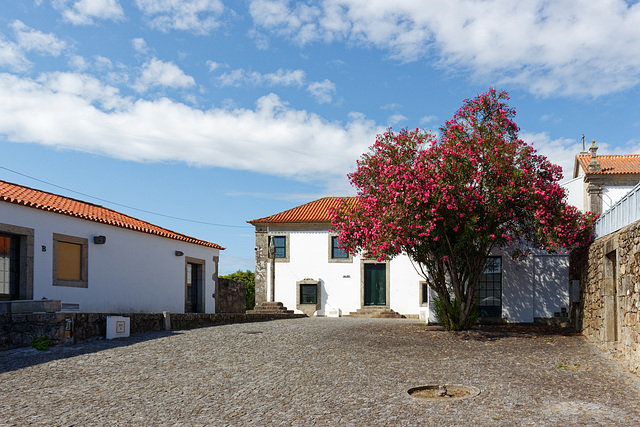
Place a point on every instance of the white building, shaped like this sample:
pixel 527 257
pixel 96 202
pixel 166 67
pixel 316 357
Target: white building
pixel 599 181
pixel 98 260
pixel 313 276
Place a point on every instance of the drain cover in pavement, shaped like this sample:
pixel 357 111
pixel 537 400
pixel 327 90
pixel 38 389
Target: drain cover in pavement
pixel 447 392
pixel 252 332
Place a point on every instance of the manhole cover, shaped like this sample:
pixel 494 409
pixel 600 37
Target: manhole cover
pixel 252 332
pixel 447 392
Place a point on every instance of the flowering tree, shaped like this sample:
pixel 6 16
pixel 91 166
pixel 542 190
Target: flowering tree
pixel 448 202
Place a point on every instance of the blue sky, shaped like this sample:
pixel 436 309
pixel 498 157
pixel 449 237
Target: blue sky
pixel 219 112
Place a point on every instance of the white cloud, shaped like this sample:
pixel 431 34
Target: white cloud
pixel 212 66
pixel 271 138
pixel 260 39
pixel 84 87
pixel 568 47
pixel 393 106
pixel 83 12
pixel 281 77
pixel 428 120
pixel 29 39
pixel 78 63
pixel 396 119
pixel 561 151
pixel 140 45
pixel 103 63
pixel 159 73
pixel 198 16
pixel 322 91
pixel 11 56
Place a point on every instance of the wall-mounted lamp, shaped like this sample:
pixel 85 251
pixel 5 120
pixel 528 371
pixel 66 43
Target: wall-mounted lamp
pixel 179 253
pixel 99 240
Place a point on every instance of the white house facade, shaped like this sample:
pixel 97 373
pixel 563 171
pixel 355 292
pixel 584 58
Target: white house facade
pixel 601 180
pixel 313 276
pixel 98 260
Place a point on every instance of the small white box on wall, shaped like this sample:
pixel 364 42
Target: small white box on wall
pixel 334 312
pixel 117 327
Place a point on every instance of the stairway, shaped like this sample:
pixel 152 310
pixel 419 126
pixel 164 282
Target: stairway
pixel 270 308
pixel 376 312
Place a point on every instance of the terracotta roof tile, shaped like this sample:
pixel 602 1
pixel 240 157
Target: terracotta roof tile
pixel 613 163
pixel 312 212
pixel 25 196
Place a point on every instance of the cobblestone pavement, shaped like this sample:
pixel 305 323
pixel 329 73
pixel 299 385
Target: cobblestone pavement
pixel 319 371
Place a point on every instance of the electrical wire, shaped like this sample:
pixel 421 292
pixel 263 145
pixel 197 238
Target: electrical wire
pixel 125 206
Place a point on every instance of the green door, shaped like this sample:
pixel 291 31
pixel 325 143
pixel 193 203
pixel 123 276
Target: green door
pixel 375 284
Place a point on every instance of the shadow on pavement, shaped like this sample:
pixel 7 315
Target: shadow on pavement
pixel 497 332
pixel 19 358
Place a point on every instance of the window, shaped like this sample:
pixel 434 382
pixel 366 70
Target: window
pixel 424 294
pixel 280 245
pixel 309 294
pixel 70 261
pixel 336 251
pixel 336 254
pixel 490 288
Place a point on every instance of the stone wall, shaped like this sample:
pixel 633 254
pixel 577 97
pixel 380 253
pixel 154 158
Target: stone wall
pixel 609 274
pixel 231 296
pixel 18 330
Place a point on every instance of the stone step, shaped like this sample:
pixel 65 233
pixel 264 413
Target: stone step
pixel 376 312
pixel 266 310
pixel 269 311
pixel 272 304
pixel 269 307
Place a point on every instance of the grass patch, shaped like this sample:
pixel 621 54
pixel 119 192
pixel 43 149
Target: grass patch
pixel 41 343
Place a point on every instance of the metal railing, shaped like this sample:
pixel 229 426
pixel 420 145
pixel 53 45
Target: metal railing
pixel 622 213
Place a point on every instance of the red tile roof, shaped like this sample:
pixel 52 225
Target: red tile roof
pixel 25 196
pixel 312 212
pixel 612 163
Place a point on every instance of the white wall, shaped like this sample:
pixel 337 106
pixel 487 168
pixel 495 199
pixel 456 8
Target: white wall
pixel 536 286
pixel 517 288
pixel 131 272
pixel 551 274
pixel 575 192
pixel 610 195
pixel 309 258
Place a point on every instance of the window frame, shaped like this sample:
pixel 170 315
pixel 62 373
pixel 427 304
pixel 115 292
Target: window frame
pixel 484 280
pixel 347 259
pixel 308 308
pixel 287 247
pixel 302 294
pixel 83 282
pixel 424 294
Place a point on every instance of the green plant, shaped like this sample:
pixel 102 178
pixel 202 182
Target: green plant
pixel 41 343
pixel 450 315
